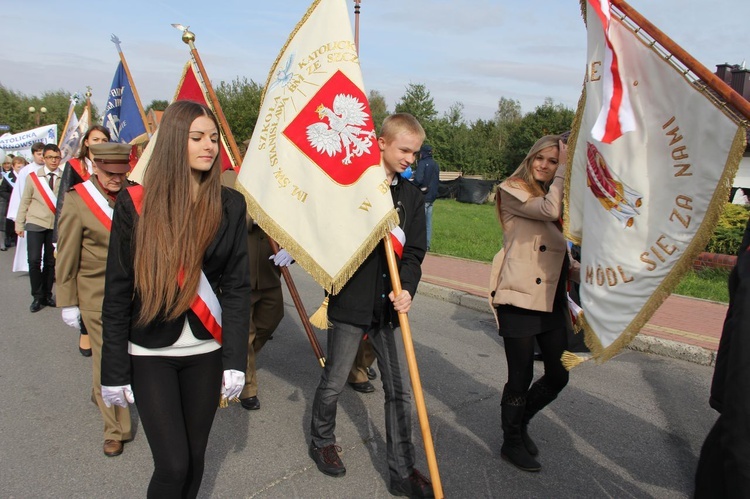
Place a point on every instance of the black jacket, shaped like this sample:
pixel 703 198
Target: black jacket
pixel 363 301
pixel 730 390
pixel 226 265
pixel 5 188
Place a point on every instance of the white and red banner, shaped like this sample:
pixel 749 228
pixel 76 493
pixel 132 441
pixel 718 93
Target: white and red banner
pixel 189 88
pixel 312 174
pixel 70 146
pixel 644 205
pixel 19 144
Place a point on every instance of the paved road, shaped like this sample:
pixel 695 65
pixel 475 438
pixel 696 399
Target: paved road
pixel 630 428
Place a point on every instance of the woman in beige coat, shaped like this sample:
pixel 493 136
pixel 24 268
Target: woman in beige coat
pixel 530 292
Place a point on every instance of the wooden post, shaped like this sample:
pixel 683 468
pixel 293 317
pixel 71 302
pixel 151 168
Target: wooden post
pixel 416 384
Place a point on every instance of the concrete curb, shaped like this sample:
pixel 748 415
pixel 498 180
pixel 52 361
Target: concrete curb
pixel 641 343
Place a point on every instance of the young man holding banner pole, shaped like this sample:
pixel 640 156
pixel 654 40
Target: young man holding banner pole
pixel 366 305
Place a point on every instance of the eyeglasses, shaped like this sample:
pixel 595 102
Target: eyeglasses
pixel 53 158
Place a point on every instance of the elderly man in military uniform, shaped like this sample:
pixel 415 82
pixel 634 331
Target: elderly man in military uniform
pixel 83 240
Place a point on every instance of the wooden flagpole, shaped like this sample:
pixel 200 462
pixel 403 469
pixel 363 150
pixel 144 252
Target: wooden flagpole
pixel 148 129
pixel 411 358
pixel 416 383
pixel 71 110
pixel 189 38
pixel 711 80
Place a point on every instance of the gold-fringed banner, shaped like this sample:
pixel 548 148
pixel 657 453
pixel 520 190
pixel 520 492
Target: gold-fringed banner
pixel 643 206
pixel 312 174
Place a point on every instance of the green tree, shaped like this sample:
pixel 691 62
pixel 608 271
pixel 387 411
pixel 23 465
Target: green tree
pixel 418 102
pixel 379 108
pixel 157 105
pixel 240 101
pixel 549 118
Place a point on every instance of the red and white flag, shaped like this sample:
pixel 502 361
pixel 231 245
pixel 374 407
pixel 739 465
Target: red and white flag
pixel 189 88
pixel 642 206
pixel 312 174
pixel 616 114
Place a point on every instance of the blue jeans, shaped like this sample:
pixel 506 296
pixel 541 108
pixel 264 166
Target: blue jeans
pixel 428 216
pixel 343 342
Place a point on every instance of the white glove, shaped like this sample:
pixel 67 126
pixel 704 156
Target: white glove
pixel 72 316
pixel 117 395
pixel 234 382
pixel 282 258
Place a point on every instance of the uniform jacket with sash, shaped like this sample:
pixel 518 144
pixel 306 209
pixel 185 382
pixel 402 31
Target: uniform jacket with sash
pixel 365 296
pixel 82 251
pixel 33 208
pixel 225 265
pixel 528 268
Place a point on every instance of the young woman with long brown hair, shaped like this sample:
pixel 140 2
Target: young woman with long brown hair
pixel 530 292
pixel 177 297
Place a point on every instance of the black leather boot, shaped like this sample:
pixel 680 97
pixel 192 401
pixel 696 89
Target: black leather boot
pixel 537 398
pixel 513 449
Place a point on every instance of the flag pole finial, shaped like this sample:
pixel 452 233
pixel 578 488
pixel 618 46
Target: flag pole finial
pixel 88 92
pixel 188 37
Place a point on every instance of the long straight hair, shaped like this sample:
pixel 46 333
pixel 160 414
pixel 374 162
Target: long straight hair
pixel 174 229
pixel 523 177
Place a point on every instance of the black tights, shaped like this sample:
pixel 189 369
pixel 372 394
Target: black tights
pixel 177 399
pixel 519 352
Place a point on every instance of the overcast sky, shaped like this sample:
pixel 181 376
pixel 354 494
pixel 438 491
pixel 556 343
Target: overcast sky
pixel 473 52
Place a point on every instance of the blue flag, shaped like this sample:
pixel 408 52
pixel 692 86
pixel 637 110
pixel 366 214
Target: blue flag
pixel 121 115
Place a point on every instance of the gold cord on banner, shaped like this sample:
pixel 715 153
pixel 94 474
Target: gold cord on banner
pixel 320 318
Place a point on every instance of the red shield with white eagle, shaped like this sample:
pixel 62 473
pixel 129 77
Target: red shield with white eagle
pixel 336 132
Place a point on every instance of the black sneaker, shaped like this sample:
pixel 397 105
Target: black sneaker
pixel 328 460
pixel 416 485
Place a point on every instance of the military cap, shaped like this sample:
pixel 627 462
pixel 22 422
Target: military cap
pixel 112 157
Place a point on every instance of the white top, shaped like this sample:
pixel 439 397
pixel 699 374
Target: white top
pixel 187 344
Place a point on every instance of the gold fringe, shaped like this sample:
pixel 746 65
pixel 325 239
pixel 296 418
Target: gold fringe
pixel 572 140
pixel 570 360
pixel 332 284
pixel 320 318
pixel 698 243
pixel 223 402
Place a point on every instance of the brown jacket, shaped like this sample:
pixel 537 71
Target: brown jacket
pixel 534 248
pixel 81 254
pixel 33 208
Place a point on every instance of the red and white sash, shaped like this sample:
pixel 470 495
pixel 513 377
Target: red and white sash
pixel 80 168
pixel 96 202
pixel 398 238
pixel 49 197
pixel 206 304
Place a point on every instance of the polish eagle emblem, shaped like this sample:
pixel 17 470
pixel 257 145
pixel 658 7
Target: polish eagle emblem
pixel 345 130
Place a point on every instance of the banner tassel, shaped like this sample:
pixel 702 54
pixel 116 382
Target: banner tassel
pixel 570 360
pixel 320 318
